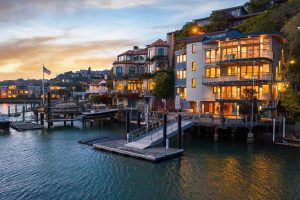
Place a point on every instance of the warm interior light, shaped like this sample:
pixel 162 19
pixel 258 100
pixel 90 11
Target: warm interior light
pixel 292 62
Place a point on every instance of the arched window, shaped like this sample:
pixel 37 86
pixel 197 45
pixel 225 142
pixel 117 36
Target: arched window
pixel 131 71
pixel 161 51
pixel 119 71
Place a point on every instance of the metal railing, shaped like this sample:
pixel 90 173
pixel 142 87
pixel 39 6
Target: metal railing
pixel 238 77
pixel 262 53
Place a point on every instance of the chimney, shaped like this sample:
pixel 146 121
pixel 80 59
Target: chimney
pixel 135 47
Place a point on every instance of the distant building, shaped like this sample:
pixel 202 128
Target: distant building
pixel 97 87
pixel 239 13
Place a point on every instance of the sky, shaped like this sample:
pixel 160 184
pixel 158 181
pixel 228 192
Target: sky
pixel 68 35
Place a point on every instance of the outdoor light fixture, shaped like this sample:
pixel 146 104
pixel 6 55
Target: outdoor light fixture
pixel 292 62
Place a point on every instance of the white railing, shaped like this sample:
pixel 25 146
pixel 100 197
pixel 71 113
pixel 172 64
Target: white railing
pixel 238 77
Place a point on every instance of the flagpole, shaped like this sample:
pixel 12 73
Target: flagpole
pixel 43 85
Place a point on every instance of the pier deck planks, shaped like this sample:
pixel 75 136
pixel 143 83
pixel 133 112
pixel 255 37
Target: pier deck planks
pixel 153 154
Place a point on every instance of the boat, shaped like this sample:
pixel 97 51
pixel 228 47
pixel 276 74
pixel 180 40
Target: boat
pixel 4 122
pixel 100 110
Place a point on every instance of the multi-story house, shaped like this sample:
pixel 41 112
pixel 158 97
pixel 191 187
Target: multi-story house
pixel 239 14
pixel 133 69
pixel 97 87
pixel 221 66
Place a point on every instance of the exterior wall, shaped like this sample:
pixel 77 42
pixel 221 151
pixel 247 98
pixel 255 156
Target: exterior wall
pixel 201 92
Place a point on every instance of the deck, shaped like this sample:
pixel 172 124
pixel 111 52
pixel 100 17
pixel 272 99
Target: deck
pixel 155 154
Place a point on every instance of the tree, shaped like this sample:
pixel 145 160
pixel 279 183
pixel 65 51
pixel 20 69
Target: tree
pixel 255 6
pixel 290 100
pixel 98 99
pixel 186 30
pixel 246 103
pixel 219 21
pixel 164 84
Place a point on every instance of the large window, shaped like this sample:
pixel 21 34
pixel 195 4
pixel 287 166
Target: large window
pixel 181 91
pixel 119 86
pixel 231 71
pixel 119 71
pixel 194 66
pixel 210 56
pixel 181 74
pixel 131 71
pixel 246 71
pixel 181 58
pixel 194 83
pixel 212 72
pixel 193 48
pixel 161 51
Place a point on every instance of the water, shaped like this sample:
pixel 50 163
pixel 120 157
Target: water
pixel 52 165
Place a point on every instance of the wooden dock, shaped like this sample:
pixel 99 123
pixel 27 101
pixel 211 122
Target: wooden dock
pixel 153 154
pixel 26 126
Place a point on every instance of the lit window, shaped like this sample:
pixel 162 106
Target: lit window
pixel 193 83
pixel 193 48
pixel 194 66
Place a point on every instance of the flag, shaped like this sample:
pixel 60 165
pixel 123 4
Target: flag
pixel 47 71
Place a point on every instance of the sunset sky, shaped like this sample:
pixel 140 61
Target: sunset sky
pixel 67 35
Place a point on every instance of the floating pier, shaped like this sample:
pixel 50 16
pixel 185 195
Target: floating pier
pixel 25 126
pixel 153 154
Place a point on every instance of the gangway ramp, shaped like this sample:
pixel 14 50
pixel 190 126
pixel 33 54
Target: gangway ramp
pixel 155 136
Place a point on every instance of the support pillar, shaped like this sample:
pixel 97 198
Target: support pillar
pixel 16 109
pixel 23 113
pixel 138 120
pixel 42 118
pixel 283 128
pixel 250 136
pixel 49 110
pixel 127 121
pixel 179 132
pixel 65 122
pixel 165 130
pixel 216 134
pixel 8 111
pixel 72 117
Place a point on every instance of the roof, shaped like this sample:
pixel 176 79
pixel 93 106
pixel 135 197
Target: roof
pixel 191 39
pixel 135 52
pixel 159 43
pixel 278 35
pixel 232 8
pixel 98 82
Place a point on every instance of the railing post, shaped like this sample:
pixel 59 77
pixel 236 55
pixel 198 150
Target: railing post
pixel 274 126
pixel 127 122
pixel 138 120
pixel 179 132
pixel 283 128
pixel 165 130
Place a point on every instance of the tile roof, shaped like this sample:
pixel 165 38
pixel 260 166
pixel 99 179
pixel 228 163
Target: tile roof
pixel 159 43
pixel 135 52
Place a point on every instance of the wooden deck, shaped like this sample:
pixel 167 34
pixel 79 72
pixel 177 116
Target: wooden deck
pixel 25 126
pixel 155 154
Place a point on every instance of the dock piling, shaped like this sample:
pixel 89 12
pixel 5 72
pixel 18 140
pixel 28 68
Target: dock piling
pixel 49 110
pixel 283 128
pixel 42 118
pixel 165 130
pixel 274 129
pixel 23 113
pixel 179 132
pixel 16 109
pixel 72 117
pixel 8 111
pixel 127 121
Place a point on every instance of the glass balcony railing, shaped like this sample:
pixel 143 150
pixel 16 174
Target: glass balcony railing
pixel 242 77
pixel 244 55
pixel 237 95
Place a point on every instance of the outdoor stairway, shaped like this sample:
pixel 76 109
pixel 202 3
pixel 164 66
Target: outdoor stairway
pixel 155 136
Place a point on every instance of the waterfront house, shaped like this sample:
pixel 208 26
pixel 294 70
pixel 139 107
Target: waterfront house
pixel 215 69
pixel 97 87
pixel 133 72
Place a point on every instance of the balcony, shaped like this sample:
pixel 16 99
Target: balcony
pixel 97 91
pixel 237 96
pixel 237 79
pixel 244 57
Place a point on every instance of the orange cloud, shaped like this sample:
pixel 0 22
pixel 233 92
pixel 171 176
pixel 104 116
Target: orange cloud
pixel 23 58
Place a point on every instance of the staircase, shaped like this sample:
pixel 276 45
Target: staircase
pixel 141 139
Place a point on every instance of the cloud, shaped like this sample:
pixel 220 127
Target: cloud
pixel 24 57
